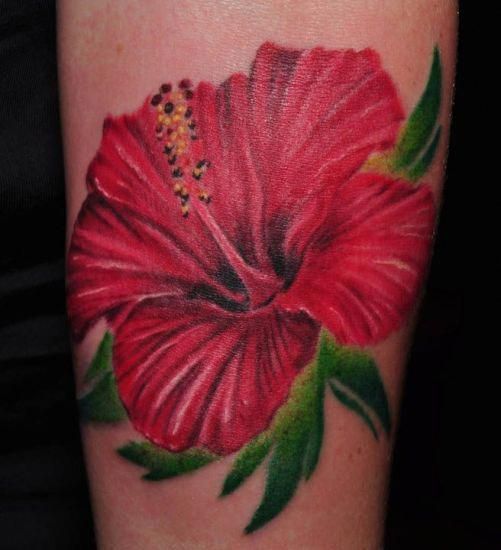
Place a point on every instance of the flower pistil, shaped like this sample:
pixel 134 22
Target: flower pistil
pixel 176 129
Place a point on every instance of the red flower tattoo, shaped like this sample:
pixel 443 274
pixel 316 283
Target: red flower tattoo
pixel 224 225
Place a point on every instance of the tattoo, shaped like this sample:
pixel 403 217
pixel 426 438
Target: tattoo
pixel 246 243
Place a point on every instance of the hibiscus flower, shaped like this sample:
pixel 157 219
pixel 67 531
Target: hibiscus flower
pixel 225 225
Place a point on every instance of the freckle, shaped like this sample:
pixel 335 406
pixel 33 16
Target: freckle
pixel 119 48
pixel 359 450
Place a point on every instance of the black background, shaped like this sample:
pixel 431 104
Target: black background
pixel 437 498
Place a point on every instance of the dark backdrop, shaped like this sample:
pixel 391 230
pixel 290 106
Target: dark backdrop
pixel 435 500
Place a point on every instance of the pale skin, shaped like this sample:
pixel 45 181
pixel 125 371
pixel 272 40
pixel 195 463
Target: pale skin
pixel 111 55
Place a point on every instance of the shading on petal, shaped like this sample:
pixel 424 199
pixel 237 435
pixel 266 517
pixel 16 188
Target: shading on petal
pixel 317 113
pixel 191 376
pixel 232 182
pixel 130 241
pixel 361 273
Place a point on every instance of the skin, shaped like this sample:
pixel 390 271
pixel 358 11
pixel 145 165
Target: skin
pixel 112 54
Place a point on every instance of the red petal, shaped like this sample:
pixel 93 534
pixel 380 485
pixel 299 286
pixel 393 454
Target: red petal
pixel 236 192
pixel 302 115
pixel 130 241
pixel 361 274
pixel 191 375
pixel 317 113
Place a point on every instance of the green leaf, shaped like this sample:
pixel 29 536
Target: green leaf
pixel 297 438
pixel 249 458
pixel 102 403
pixel 358 373
pixel 422 121
pixel 316 428
pixel 296 434
pixel 421 166
pixel 354 405
pixel 284 473
pixel 163 464
pixel 101 361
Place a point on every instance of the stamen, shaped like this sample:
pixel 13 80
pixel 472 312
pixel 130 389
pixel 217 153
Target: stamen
pixel 175 122
pixel 156 99
pixel 204 197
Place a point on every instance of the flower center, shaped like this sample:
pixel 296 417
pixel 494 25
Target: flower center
pixel 261 286
pixel 176 129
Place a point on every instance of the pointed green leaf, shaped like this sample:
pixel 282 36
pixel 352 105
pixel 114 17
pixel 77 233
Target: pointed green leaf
pixel 102 403
pixel 422 121
pixel 354 405
pixel 358 372
pixel 163 464
pixel 248 459
pixel 421 166
pixel 284 473
pixel 297 437
pixel 316 429
pixel 101 361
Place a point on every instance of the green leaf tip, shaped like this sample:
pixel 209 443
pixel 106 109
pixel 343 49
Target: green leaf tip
pixel 423 163
pixel 247 461
pixel 284 473
pixel 101 362
pixel 316 425
pixel 354 405
pixel 415 137
pixel 357 378
pixel 162 464
pixel 102 403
